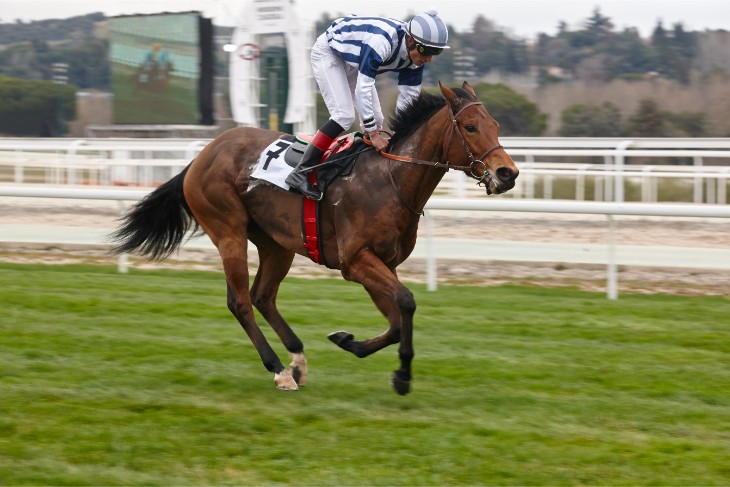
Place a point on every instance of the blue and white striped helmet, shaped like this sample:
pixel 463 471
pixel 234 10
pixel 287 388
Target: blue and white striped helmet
pixel 428 29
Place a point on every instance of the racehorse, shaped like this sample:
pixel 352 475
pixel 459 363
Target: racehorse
pixel 369 219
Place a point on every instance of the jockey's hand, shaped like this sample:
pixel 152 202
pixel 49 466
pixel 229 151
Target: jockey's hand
pixel 378 141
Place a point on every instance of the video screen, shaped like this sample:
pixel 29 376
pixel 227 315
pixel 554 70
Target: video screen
pixel 156 68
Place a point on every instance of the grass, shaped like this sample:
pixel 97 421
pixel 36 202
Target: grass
pixel 109 379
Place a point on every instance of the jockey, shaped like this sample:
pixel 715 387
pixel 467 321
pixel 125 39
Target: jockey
pixel 347 57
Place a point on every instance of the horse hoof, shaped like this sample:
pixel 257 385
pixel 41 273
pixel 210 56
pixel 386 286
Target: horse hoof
pixel 341 338
pixel 299 377
pixel 401 386
pixel 285 381
pixel 299 368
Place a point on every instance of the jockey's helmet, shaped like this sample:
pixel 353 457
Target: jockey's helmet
pixel 427 29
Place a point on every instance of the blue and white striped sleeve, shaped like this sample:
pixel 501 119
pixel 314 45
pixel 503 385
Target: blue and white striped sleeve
pixel 374 50
pixel 409 86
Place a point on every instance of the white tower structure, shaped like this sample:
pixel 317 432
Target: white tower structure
pixel 270 44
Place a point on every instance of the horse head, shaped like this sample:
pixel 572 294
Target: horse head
pixel 473 143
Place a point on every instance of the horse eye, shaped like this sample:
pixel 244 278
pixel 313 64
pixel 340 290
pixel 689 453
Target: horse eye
pixel 470 128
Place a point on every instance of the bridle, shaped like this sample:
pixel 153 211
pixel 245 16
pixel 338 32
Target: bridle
pixel 473 162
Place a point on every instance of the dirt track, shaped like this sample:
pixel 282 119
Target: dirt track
pixel 516 227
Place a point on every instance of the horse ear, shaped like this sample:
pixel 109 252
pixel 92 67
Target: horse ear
pixel 449 94
pixel 469 89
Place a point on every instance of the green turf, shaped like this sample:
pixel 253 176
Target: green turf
pixel 145 379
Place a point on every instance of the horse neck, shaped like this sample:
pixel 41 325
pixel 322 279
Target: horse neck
pixel 417 182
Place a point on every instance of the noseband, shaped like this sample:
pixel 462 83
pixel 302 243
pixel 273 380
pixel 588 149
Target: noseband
pixel 473 163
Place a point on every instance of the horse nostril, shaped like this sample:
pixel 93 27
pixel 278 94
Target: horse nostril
pixel 506 174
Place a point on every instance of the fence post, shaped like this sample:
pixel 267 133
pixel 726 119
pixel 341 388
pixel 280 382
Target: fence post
pixel 580 184
pixel 598 188
pixel 547 187
pixel 612 278
pixel 530 181
pixel 123 264
pixel 71 159
pixel 619 167
pixel 646 188
pixel 711 185
pixel 697 180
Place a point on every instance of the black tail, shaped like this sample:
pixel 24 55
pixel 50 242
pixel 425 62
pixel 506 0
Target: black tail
pixel 157 224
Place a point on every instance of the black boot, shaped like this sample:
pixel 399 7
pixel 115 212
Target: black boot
pixel 299 178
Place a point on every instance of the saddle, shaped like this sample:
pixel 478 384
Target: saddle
pixel 345 145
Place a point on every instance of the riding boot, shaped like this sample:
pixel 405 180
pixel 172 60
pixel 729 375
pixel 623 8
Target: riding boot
pixel 299 177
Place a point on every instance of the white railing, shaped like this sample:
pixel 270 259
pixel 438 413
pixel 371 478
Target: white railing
pixel 98 161
pixel 593 208
pixel 709 183
pixel 436 204
pixel 148 162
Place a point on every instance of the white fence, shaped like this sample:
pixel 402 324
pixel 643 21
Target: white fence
pixel 493 204
pixel 609 164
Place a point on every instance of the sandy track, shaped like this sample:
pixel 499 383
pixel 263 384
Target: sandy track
pixel 677 232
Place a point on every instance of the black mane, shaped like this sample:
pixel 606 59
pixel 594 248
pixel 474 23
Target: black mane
pixel 416 113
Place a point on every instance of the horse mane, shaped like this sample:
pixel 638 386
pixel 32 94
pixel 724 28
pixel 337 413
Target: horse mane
pixel 417 112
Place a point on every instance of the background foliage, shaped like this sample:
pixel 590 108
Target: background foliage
pixel 593 53
pixel 35 107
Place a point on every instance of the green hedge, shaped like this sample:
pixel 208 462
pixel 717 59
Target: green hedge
pixel 35 108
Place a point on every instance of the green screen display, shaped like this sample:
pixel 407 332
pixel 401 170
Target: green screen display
pixel 155 66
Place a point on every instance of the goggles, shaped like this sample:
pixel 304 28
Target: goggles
pixel 428 50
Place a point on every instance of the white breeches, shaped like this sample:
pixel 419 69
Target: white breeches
pixel 336 80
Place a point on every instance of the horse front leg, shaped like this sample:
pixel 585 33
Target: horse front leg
pixel 395 302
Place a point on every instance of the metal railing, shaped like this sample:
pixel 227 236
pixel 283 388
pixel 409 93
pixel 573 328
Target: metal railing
pixel 610 210
pixel 542 161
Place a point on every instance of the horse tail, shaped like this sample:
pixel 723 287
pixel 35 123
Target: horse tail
pixel 157 224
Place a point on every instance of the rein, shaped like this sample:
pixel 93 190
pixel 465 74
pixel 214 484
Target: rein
pixel 469 171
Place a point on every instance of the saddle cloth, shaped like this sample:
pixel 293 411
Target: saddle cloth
pixel 280 158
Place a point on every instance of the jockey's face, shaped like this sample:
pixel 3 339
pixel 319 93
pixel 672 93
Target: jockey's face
pixel 418 58
pixel 415 54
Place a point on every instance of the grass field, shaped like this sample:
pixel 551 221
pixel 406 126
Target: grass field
pixel 146 379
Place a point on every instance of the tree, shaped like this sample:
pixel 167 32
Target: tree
pixel 647 120
pixel 661 44
pixel 598 25
pixel 687 124
pixel 494 49
pixel 682 49
pixel 35 108
pixel 591 121
pixel 632 55
pixel 515 114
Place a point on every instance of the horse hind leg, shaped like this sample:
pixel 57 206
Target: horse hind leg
pixel 239 303
pixel 274 265
pixel 216 204
pixel 225 225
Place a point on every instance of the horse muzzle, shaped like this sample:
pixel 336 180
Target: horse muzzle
pixel 502 182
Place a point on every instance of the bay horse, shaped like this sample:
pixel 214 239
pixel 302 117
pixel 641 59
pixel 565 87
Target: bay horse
pixel 369 219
